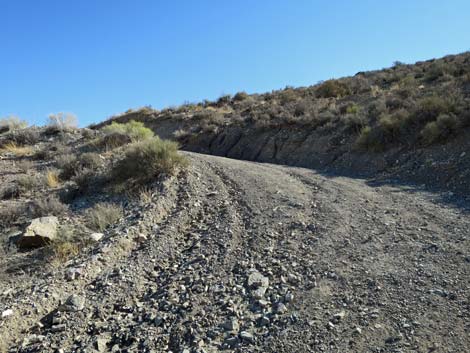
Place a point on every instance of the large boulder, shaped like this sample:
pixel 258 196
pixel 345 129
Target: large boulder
pixel 40 232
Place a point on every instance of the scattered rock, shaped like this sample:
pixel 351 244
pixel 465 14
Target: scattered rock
pixel 74 303
pixel 231 325
pixel 40 232
pixel 7 313
pixel 96 237
pixel 258 284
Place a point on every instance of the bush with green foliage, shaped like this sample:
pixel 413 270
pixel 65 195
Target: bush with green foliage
pixel 134 130
pixel 148 159
pixel 441 129
pixel 332 89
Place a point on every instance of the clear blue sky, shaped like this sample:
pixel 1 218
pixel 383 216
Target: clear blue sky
pixel 96 58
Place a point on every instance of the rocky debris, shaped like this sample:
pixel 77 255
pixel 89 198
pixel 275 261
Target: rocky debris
pixel 40 232
pixel 74 303
pixel 231 325
pixel 258 284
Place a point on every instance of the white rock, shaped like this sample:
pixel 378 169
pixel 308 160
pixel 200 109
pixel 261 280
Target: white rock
pixel 7 313
pixel 96 236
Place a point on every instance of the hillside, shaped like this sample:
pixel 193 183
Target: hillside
pixel 408 123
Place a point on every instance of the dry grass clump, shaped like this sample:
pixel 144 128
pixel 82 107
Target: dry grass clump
pixel 102 215
pixel 63 250
pixel 146 160
pixel 52 179
pixel 18 151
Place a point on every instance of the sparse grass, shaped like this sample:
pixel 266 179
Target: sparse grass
pixel 146 160
pixel 50 206
pixel 18 151
pixel 52 178
pixel 12 214
pixel 63 250
pixel 27 183
pixel 25 165
pixel 103 215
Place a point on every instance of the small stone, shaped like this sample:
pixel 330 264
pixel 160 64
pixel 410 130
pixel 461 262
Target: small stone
pixel 289 297
pixel 357 331
pixel 101 344
pixel 141 238
pixel 246 336
pixel 74 303
pixel 7 313
pixel 280 308
pixel 96 237
pixel 231 341
pixel 264 321
pixel 339 316
pixel 231 325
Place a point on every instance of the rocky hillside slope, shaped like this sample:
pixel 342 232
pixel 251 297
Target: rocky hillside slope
pixel 409 123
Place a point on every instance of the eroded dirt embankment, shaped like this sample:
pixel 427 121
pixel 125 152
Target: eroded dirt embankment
pixel 445 167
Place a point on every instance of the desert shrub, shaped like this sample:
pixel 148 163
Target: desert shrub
pixel 134 130
pixel 9 191
pixel 354 122
pixel 50 206
pixel 288 96
pixel 146 160
pixel 439 130
pixel 435 71
pixel 12 123
pixel 240 96
pixel 429 108
pixel 368 141
pixel 41 155
pixel 25 165
pixel 61 122
pixel 27 183
pixel 181 134
pixel 224 99
pixel 103 215
pixel 12 214
pixel 63 249
pixel 332 89
pixel 67 163
pixel 90 160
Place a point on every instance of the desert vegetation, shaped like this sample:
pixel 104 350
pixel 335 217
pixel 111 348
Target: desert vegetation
pixel 407 105
pixel 77 175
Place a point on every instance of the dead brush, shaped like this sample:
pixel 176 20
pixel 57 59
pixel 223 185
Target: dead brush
pixel 16 150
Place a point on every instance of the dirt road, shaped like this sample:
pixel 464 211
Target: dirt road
pixel 256 258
